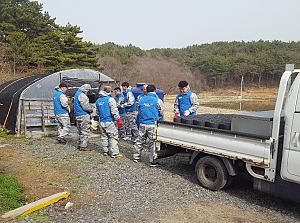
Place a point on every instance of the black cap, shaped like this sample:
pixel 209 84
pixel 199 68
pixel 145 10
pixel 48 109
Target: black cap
pixel 182 84
pixel 125 84
pixel 62 85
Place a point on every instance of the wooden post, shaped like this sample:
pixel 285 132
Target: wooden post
pixel 24 112
pixel 43 120
pixel 19 118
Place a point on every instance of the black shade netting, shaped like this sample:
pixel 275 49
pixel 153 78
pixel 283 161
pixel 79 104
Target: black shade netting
pixel 9 98
pixel 74 84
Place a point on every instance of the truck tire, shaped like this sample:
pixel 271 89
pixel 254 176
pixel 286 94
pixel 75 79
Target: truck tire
pixel 211 173
pixel 229 181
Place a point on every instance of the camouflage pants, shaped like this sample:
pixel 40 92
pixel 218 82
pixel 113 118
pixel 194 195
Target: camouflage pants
pixel 146 131
pixel 130 124
pixel 122 130
pixel 63 124
pixel 83 129
pixel 109 137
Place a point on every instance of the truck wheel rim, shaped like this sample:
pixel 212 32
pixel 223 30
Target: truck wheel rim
pixel 210 173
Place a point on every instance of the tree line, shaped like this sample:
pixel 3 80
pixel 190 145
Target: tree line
pixel 223 62
pixel 219 64
pixel 31 42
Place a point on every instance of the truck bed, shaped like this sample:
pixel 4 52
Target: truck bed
pixel 225 143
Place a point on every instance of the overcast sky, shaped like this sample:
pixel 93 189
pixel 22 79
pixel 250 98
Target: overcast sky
pixel 178 23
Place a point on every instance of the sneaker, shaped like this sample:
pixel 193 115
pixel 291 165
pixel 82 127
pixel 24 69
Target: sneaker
pixel 136 160
pixel 127 138
pixel 84 149
pixel 105 154
pixel 116 155
pixel 155 164
pixel 61 140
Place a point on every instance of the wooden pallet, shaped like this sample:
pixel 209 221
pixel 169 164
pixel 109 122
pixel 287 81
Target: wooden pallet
pixel 37 118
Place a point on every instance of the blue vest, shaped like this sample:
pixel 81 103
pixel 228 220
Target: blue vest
pixel 104 109
pixel 121 110
pixel 133 107
pixel 185 103
pixel 77 107
pixel 58 109
pixel 149 109
pixel 142 95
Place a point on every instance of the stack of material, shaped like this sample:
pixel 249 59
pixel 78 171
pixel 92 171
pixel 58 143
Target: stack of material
pixel 219 121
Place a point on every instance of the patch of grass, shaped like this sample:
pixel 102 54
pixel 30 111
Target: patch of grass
pixel 3 133
pixel 10 194
pixel 39 217
pixel 30 143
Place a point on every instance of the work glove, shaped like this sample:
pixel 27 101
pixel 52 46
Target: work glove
pixel 122 105
pixel 186 113
pixel 119 122
pixel 125 105
pixel 176 114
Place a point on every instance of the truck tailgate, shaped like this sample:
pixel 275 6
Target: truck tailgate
pixel 250 148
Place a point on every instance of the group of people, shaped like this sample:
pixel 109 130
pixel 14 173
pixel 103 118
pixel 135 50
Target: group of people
pixel 118 116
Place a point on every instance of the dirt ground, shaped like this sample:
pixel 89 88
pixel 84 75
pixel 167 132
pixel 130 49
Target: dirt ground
pixel 36 177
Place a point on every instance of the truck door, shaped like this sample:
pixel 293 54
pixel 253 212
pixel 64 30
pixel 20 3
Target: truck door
pixel 293 160
pixel 290 165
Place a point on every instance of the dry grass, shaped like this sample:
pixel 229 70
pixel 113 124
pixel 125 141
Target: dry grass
pixel 34 174
pixel 230 95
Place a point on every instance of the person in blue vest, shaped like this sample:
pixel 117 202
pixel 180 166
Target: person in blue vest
pixel 150 109
pixel 120 100
pixel 61 111
pixel 108 113
pixel 131 114
pixel 82 110
pixel 186 103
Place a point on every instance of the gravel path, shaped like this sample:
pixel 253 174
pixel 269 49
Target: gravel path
pixel 119 190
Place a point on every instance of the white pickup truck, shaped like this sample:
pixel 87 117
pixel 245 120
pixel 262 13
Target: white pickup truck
pixel 264 144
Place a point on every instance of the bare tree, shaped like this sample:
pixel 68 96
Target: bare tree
pixel 242 70
pixel 114 68
pixel 163 73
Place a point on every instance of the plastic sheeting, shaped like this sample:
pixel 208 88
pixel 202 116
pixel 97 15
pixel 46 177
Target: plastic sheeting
pixel 42 87
pixel 45 88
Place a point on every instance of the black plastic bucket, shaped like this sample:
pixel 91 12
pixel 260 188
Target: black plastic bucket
pixel 187 121
pixel 177 119
pixel 212 125
pixel 199 123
